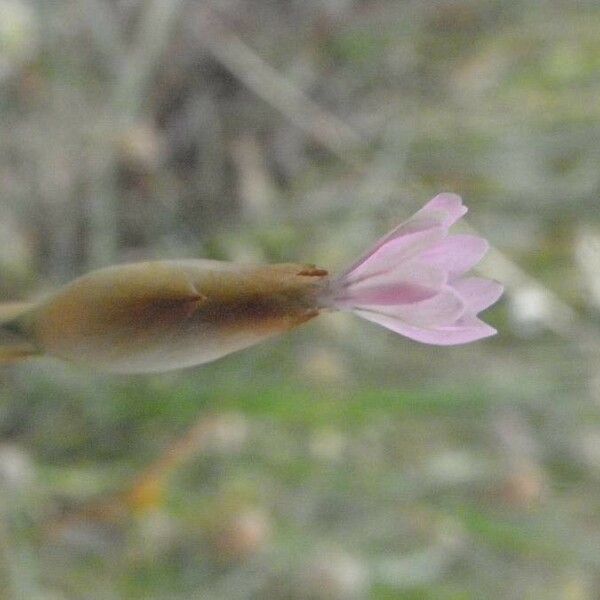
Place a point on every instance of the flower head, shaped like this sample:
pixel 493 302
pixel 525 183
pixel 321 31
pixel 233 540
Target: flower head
pixel 413 280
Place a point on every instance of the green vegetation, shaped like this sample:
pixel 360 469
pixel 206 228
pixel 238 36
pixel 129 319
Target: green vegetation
pixel 341 462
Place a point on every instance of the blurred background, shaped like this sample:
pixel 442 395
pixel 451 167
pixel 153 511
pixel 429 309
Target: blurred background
pixel 340 462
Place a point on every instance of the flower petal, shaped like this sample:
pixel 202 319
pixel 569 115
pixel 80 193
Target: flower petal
pixel 455 254
pixel 478 293
pixel 385 294
pixel 443 309
pixel 407 283
pixel 392 252
pixel 442 336
pixel 451 204
pixel 424 227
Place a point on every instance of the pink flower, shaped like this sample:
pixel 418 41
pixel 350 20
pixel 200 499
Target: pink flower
pixel 413 280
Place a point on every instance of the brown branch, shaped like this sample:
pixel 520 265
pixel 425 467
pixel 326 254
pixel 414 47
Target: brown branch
pixel 123 109
pixel 239 59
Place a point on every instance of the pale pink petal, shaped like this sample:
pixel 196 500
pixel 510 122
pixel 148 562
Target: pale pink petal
pixel 455 254
pixel 409 280
pixel 412 272
pixel 416 271
pixel 385 294
pixel 450 204
pixel 392 252
pixel 421 230
pixel 443 336
pixel 442 309
pixel 478 293
pixel 407 283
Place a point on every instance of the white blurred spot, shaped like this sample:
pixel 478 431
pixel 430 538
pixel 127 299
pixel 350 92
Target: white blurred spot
pixel 18 34
pixel 327 445
pixel 16 468
pixel 587 254
pixel 336 575
pixel 228 433
pixel 529 309
pixel 455 466
pixel 244 535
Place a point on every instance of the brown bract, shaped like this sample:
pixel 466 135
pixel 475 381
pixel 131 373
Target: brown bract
pixel 161 315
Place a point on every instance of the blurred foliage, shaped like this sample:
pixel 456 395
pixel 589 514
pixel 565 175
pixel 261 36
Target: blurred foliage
pixel 340 462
